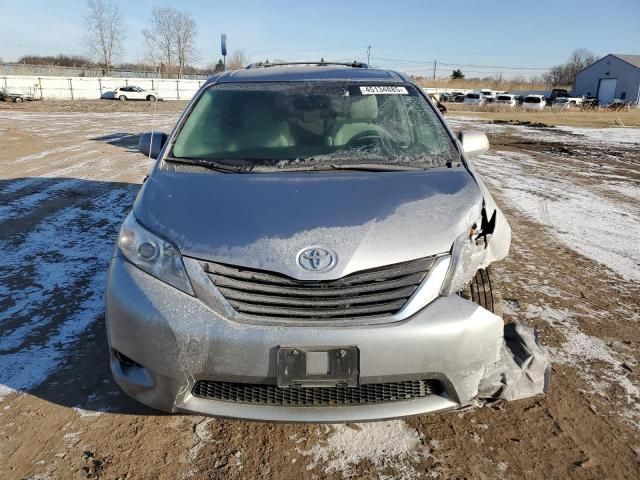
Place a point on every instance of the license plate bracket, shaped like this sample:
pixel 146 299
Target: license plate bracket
pixel 306 367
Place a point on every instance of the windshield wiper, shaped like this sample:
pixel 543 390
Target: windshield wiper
pixel 363 167
pixel 210 164
pixel 373 167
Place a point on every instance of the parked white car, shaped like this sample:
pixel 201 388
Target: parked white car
pixel 489 95
pixel 474 98
pixel 131 92
pixel 534 102
pixel 507 100
pixel 566 102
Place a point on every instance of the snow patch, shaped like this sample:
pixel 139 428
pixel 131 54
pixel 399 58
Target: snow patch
pixel 559 133
pixel 202 437
pixel 578 216
pixel 72 246
pixel 581 350
pixel 391 444
pixel 628 136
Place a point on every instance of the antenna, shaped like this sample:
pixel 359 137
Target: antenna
pixel 153 134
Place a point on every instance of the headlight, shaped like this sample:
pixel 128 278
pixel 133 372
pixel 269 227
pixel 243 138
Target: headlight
pixel 153 254
pixel 467 256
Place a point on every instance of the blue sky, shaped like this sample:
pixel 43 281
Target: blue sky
pixel 407 35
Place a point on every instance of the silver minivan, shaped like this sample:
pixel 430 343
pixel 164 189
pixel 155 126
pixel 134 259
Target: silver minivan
pixel 475 98
pixel 312 245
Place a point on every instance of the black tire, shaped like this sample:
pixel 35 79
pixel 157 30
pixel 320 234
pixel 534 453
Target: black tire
pixel 151 98
pixel 17 100
pixel 122 98
pixel 484 291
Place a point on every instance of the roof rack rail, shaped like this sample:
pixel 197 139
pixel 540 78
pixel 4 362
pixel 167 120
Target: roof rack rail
pixel 321 63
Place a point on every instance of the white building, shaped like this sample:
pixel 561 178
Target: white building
pixel 613 77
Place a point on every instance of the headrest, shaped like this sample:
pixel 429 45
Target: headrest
pixel 364 109
pixel 257 114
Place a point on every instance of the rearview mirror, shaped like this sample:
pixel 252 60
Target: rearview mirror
pixel 151 143
pixel 474 143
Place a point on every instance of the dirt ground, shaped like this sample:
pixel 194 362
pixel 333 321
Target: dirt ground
pixel 93 106
pixel 572 117
pixel 69 173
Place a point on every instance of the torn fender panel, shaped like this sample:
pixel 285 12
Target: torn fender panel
pixel 500 241
pixel 477 249
pixel 498 246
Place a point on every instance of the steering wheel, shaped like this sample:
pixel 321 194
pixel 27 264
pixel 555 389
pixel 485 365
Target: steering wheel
pixel 369 138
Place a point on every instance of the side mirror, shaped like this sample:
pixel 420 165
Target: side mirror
pixel 474 143
pixel 151 143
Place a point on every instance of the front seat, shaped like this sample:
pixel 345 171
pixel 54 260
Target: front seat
pixel 259 130
pixel 361 114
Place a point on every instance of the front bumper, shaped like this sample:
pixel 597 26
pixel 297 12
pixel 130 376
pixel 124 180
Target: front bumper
pixel 176 340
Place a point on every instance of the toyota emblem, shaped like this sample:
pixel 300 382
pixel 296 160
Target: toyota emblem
pixel 317 259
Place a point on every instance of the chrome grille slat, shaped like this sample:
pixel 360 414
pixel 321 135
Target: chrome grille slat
pixel 332 302
pixel 347 312
pixel 375 292
pixel 326 291
pixel 377 274
pixel 366 394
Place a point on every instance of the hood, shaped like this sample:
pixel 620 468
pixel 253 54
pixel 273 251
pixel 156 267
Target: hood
pixel 263 221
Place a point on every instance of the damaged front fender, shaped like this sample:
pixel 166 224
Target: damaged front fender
pixel 487 241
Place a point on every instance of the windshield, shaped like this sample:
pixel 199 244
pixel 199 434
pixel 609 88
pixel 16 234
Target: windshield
pixel 532 100
pixel 299 124
pixel 473 95
pixel 504 97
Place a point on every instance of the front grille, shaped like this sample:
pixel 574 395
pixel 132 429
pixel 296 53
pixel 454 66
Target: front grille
pixel 379 291
pixel 316 396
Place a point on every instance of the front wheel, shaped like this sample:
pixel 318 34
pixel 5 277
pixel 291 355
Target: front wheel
pixel 122 98
pixel 484 291
pixel 151 98
pixel 17 100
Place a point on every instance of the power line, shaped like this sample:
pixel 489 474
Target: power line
pixel 500 53
pixel 495 66
pixel 429 62
pixel 428 70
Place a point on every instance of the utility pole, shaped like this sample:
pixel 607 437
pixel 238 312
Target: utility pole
pixel 435 67
pixel 369 55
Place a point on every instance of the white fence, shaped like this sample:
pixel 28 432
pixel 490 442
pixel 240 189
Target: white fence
pixel 89 88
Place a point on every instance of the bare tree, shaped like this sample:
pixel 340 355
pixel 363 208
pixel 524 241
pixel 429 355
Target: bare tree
pixel 152 53
pixel 580 59
pixel 185 40
pixel 160 39
pixel 564 75
pixel 171 40
pixel 105 33
pixel 237 60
